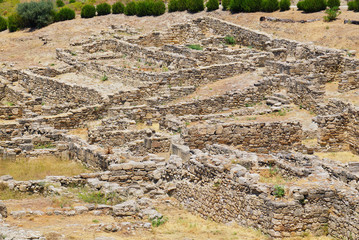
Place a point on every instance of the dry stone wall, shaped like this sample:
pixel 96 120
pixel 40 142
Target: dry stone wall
pixel 254 137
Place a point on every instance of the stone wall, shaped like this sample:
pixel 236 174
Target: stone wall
pixel 348 81
pixel 74 118
pixel 260 40
pixel 254 137
pixel 117 137
pixel 56 92
pixel 10 112
pixel 145 54
pixel 226 194
pixel 332 131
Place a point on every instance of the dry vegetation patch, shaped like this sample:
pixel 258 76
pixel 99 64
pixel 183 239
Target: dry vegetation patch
pixel 343 157
pixel 38 168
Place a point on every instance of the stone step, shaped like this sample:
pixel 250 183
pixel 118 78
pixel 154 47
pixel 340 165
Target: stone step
pixel 270 102
pixel 277 99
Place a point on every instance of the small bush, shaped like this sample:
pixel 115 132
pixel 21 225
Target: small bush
pixel 36 14
pixel 270 5
pixel 212 5
pixel 333 3
pixel 332 14
pixel 72 1
pixel 143 8
pixel 245 5
pixel 172 6
pixel 130 8
pixel 88 11
pixel 150 8
pixel 278 191
pixel 225 4
pixel 284 5
pixel 230 40
pixel 159 8
pixel 195 47
pixel 118 8
pixel 353 6
pixel 194 6
pixel 3 24
pixel 65 14
pixel 300 5
pixel 60 3
pixel 14 22
pixel 103 9
pixel 310 6
pixel 182 5
pixel 158 221
pixel 177 5
pixel 99 197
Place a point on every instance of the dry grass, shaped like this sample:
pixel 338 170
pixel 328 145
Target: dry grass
pixel 40 167
pixel 343 157
pixel 6 193
pixel 184 225
pixel 181 225
pixel 80 132
pixel 273 177
pixel 312 142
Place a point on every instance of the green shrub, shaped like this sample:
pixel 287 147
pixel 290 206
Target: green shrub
pixel 230 40
pixel 270 5
pixel 212 5
pixel 143 8
pixel 36 14
pixel 3 24
pixel 159 8
pixel 99 197
pixel 14 22
pixel 225 4
pixel 103 9
pixel 300 5
pixel 333 3
pixel 245 5
pixel 173 6
pixel 150 8
pixel 278 191
pixel 195 47
pixel 182 5
pixel 310 6
pixel 118 8
pixel 72 1
pixel 194 6
pixel 88 11
pixel 177 5
pixel 65 14
pixel 60 3
pixel 332 14
pixel 130 8
pixel 158 221
pixel 353 5
pixel 284 5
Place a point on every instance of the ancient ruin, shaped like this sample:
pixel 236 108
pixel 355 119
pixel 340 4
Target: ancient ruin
pixel 182 113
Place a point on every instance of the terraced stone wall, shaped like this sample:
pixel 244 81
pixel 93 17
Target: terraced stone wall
pixel 217 193
pixel 254 137
pixel 56 92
